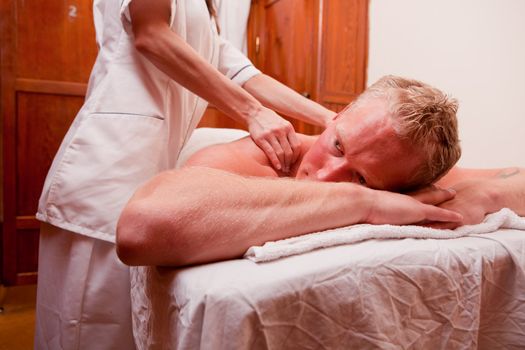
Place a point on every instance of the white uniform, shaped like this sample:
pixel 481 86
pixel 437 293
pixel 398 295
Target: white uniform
pixel 134 123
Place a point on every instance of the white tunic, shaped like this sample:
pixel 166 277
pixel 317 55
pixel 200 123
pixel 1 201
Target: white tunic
pixel 134 122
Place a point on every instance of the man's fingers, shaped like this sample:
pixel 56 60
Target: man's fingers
pixel 443 215
pixel 423 190
pixel 443 225
pixel 434 196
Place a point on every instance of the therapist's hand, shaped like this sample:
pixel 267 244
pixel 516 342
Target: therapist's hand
pixel 276 137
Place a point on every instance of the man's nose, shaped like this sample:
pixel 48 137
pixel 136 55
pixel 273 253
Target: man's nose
pixel 333 173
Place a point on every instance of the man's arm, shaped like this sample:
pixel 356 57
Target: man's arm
pixel 197 215
pixel 483 191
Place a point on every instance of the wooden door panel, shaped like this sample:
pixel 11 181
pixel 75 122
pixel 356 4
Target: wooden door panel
pixel 287 46
pixel 47 51
pixel 42 122
pixel 317 47
pixel 26 259
pixel 343 51
pixel 55 40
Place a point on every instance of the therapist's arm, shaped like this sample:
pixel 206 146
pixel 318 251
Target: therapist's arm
pixel 483 191
pixel 286 101
pixel 198 215
pixel 176 58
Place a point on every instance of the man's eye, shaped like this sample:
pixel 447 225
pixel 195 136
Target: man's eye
pixel 338 146
pixel 361 179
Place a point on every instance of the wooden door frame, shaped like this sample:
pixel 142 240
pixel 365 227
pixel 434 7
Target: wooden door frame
pixel 8 157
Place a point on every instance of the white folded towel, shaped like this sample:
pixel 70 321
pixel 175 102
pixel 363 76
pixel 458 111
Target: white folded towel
pixel 505 218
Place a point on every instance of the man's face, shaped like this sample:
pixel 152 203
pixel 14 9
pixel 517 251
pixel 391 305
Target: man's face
pixel 361 146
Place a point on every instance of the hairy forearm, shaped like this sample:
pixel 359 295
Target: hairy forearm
pixel 197 215
pixel 277 96
pixel 510 189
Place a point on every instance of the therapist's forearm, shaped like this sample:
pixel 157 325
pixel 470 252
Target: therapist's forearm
pixel 279 97
pixel 176 58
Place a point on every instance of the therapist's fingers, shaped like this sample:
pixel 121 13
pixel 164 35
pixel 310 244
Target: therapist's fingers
pixel 287 153
pixel 270 153
pixel 295 145
pixel 279 152
pixel 269 131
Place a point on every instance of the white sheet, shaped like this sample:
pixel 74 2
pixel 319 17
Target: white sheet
pixel 464 293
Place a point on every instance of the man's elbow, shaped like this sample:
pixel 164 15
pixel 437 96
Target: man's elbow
pixel 143 238
pixel 132 233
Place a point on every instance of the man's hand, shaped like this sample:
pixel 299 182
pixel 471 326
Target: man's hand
pixel 399 209
pixel 433 195
pixel 276 137
pixel 483 191
pixel 474 200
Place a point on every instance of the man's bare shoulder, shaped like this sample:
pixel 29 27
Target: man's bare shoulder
pixel 241 157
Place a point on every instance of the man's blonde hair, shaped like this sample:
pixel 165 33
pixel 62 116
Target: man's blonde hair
pixel 426 117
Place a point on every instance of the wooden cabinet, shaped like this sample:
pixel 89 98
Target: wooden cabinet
pixel 316 47
pixel 47 51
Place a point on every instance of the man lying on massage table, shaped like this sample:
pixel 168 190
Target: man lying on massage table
pixel 400 135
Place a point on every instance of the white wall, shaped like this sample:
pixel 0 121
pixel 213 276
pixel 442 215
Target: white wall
pixel 233 19
pixel 472 49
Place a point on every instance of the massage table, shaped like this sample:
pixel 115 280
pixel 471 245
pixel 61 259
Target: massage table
pixel 462 293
